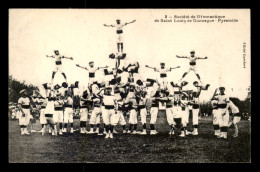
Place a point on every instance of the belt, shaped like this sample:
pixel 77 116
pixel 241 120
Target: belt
pixel 119 31
pixel 43 107
pixel 195 106
pixel 68 106
pixel 25 106
pixel 163 75
pixel 49 115
pixel 215 108
pixel 97 106
pixel 58 108
pixel 154 105
pixel 222 106
pixel 168 106
pixel 82 107
pixel 120 108
pixel 58 62
pixel 109 107
pixel 183 108
pixel 192 63
pixel 141 106
pixel 91 75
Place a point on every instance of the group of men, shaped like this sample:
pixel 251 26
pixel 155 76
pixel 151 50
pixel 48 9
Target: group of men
pixel 109 102
pixel 112 100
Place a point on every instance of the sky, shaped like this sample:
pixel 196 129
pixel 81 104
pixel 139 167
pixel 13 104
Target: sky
pixel 79 33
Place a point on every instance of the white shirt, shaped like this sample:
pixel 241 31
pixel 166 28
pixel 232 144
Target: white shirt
pixel 120 26
pixel 58 58
pixel 109 100
pixel 24 101
pixel 222 99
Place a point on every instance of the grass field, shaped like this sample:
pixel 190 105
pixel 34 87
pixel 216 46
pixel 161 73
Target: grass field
pixel 126 148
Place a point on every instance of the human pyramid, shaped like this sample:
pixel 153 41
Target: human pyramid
pixel 111 101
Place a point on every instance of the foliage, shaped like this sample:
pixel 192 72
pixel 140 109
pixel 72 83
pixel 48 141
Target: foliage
pixel 14 88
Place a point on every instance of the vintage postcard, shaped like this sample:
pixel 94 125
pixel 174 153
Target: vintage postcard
pixel 129 85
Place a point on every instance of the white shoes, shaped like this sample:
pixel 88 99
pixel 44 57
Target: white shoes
pixel 134 132
pixel 26 132
pixel 115 132
pixel 107 136
pixel 91 131
pixel 128 132
pixel 104 132
pixel 171 132
pixel 143 133
pixel 182 134
pixel 100 134
pixel 50 131
pixel 220 135
pixel 225 135
pixel 97 131
pixel 216 133
pixel 71 130
pixel 195 133
pixel 111 135
pixel 153 132
pixel 64 130
pixel 124 131
pixel 60 132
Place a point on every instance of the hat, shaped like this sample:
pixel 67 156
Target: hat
pixel 192 52
pixel 90 62
pixel 112 82
pixel 116 90
pixel 184 83
pixel 56 87
pixel 56 50
pixel 112 56
pixel 162 63
pixel 108 87
pixel 22 91
pixel 139 82
pixel 123 56
pixel 64 84
pixel 195 82
pixel 45 86
pixel 76 84
pixel 221 88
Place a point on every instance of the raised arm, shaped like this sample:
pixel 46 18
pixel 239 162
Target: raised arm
pixel 102 67
pixel 50 56
pixel 151 68
pixel 82 67
pixel 71 58
pixel 173 68
pixel 201 58
pixel 214 94
pixel 129 22
pixel 109 25
pixel 181 56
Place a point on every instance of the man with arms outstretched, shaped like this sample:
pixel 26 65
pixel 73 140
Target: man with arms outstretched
pixel 58 63
pixel 119 31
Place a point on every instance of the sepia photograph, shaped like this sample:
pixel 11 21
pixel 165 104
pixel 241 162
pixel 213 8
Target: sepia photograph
pixel 129 85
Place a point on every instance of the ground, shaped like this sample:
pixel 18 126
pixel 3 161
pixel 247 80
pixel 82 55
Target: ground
pixel 83 148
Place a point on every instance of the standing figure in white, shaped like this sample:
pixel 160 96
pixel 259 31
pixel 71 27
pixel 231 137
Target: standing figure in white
pixel 58 63
pixel 192 59
pixel 119 31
